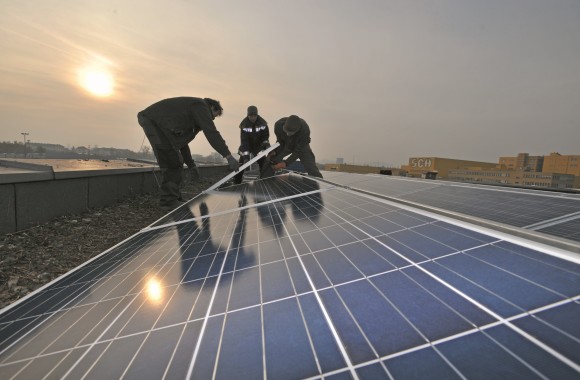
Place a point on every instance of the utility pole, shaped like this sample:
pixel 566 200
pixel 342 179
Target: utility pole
pixel 24 134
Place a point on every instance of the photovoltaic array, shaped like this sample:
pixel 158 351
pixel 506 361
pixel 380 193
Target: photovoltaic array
pixel 554 213
pixel 291 277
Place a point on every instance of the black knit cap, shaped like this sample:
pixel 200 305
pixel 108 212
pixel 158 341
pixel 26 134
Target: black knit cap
pixel 292 125
pixel 252 110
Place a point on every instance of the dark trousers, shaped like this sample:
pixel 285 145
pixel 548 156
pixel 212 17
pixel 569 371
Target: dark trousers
pixel 240 176
pixel 168 157
pixel 309 161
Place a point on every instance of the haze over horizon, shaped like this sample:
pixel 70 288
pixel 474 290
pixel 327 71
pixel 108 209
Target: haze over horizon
pixel 378 81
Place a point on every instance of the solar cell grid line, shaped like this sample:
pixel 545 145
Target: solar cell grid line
pixel 224 199
pixel 214 200
pixel 424 184
pixel 205 319
pixel 327 317
pixel 112 340
pixel 241 219
pixel 554 221
pixel 393 306
pixel 55 338
pixel 297 219
pixel 263 333
pixel 463 191
pixel 508 237
pixel 17 307
pixel 559 206
pixel 569 229
pixel 154 324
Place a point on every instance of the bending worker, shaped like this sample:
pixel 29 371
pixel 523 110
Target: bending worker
pixel 254 135
pixel 293 134
pixel 170 125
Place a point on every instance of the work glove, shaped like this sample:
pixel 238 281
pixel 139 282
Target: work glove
pixel 279 166
pixel 232 163
pixel 193 172
pixel 245 159
pixel 265 145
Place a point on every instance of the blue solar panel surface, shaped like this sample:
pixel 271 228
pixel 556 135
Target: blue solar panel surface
pixel 517 207
pixel 289 278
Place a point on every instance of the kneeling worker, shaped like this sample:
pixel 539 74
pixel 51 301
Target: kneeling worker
pixel 293 134
pixel 170 125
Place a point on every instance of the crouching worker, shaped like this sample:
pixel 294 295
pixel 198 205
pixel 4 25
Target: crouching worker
pixel 170 125
pixel 293 135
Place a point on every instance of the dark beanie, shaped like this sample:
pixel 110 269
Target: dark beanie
pixel 292 125
pixel 252 110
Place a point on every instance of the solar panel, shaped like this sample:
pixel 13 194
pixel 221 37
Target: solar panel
pixel 307 280
pixel 568 229
pixel 516 207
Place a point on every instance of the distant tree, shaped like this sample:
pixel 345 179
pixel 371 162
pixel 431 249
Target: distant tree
pixel 11 147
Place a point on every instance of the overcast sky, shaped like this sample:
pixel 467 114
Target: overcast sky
pixel 377 81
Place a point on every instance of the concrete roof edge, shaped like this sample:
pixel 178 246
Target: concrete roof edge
pixel 26 165
pixel 97 173
pixel 12 178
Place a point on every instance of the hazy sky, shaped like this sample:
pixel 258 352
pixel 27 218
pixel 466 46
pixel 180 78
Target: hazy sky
pixel 377 81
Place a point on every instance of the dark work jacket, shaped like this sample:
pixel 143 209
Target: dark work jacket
pixel 294 145
pixel 252 135
pixel 185 117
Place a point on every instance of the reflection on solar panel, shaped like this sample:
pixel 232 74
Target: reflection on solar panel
pixel 290 278
pixel 515 207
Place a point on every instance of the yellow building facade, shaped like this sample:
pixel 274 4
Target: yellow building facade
pixel 555 163
pixel 558 163
pixel 361 169
pixel 513 177
pixel 420 166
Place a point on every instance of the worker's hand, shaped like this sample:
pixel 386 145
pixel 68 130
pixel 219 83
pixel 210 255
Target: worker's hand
pixel 232 163
pixel 265 145
pixel 245 159
pixel 280 166
pixel 193 173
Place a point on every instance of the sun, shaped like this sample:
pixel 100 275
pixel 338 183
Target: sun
pixel 97 81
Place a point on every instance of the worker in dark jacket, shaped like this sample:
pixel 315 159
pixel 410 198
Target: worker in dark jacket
pixel 293 134
pixel 170 125
pixel 254 135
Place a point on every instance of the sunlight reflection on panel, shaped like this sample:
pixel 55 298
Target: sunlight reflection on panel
pixel 153 290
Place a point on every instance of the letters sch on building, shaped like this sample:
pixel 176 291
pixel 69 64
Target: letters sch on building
pixel 421 163
pixel 423 167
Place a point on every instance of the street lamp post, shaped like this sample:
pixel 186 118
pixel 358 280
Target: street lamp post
pixel 24 134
